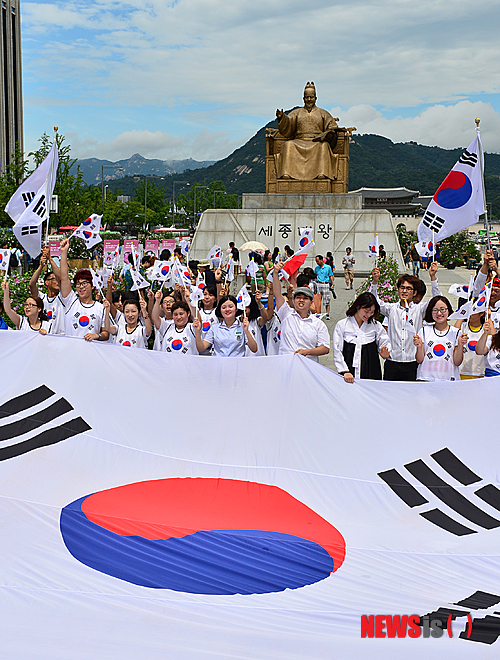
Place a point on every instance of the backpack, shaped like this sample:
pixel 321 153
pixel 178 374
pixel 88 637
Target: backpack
pixel 13 263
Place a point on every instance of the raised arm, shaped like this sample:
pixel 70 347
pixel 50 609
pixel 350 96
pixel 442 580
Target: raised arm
pixel 201 344
pixel 155 312
pixel 145 315
pixel 384 307
pixel 488 329
pixel 33 283
pixel 107 324
pixel 65 283
pixel 55 268
pixel 251 343
pixel 109 296
pixel 15 318
pixel 264 313
pixel 278 295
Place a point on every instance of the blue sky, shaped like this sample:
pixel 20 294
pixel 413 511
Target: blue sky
pixel 197 78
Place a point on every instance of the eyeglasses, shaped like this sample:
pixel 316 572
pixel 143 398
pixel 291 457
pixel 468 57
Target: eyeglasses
pixel 28 305
pixel 407 288
pixel 440 310
pixel 82 284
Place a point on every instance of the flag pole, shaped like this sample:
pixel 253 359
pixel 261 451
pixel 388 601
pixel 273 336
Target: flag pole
pixel 433 247
pixel 48 186
pixel 481 169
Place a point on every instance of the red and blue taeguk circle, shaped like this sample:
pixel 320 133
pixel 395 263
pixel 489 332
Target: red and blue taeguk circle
pixel 87 222
pixel 455 191
pixel 84 321
pixel 205 326
pixel 87 234
pixel 126 343
pixel 164 270
pixel 472 345
pixel 48 313
pixel 303 241
pixel 439 350
pixel 204 536
pixel 480 301
pixel 177 344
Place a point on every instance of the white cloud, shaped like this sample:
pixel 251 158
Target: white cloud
pixel 445 126
pixel 202 146
pixel 222 61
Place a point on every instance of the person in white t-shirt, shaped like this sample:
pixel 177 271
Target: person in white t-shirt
pixel 440 348
pixel 178 334
pixel 83 316
pixel 35 319
pixel 127 331
pixel 301 332
pixel 52 303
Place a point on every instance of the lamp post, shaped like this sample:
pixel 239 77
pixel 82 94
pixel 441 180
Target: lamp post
pixel 173 198
pixel 118 168
pixel 194 214
pixel 219 191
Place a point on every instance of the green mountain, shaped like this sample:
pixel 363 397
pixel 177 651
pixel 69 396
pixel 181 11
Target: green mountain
pixel 375 162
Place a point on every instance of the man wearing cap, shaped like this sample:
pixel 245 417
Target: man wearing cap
pixel 83 316
pixel 490 264
pixel 208 275
pixel 301 332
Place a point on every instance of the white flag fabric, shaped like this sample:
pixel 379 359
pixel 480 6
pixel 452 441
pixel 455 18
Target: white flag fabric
pixel 4 260
pixel 89 230
pixel 195 296
pixel 251 269
pixel 373 248
pixel 28 206
pixel 181 274
pixel 462 290
pixel 111 259
pixel 425 248
pixel 459 201
pixel 482 302
pixel 306 241
pixel 203 541
pixel 243 298
pixel 463 313
pixel 185 245
pixel 97 279
pixel 138 281
pixel 162 271
pixel 215 255
pixel 200 281
pixel 230 270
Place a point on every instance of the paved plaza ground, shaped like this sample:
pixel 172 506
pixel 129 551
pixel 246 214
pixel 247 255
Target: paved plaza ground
pixel 338 308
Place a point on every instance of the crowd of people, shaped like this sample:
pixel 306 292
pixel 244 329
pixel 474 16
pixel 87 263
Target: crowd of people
pixel 414 340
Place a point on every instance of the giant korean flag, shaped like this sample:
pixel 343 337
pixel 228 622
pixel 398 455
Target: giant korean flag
pixel 156 506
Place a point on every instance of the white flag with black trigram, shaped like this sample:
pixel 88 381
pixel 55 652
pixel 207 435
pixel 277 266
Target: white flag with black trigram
pixel 28 206
pixel 459 201
pixel 4 259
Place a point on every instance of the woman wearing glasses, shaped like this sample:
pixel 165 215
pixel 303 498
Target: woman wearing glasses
pixel 35 319
pixel 440 349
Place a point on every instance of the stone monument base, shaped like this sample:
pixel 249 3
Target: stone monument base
pixel 338 221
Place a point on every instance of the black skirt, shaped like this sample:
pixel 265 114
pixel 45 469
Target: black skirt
pixel 370 361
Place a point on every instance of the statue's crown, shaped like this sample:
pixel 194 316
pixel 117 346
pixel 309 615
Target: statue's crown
pixel 310 85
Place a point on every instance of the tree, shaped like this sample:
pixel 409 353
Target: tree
pixel 15 173
pixel 158 208
pixel 206 196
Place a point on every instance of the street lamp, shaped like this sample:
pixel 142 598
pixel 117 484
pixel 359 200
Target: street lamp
pixel 173 198
pixel 219 191
pixel 105 191
pixel 196 185
pixel 118 168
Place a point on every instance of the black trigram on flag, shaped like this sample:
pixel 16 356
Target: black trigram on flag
pixel 39 207
pixel 485 629
pixel 445 492
pixel 10 432
pixel 432 221
pixel 468 159
pixel 27 230
pixel 27 197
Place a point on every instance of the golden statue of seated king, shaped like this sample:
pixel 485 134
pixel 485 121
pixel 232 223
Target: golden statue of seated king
pixel 308 146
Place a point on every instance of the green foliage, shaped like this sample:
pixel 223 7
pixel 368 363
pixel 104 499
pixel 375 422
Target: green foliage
pixel 406 238
pixel 458 248
pixel 208 196
pixel 7 238
pixel 389 273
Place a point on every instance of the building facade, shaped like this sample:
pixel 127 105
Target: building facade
pixel 11 101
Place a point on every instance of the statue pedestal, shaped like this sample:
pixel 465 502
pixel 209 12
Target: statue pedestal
pixel 338 222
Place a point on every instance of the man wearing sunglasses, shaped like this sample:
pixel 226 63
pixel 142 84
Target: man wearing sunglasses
pixel 404 320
